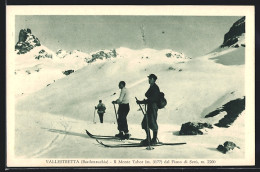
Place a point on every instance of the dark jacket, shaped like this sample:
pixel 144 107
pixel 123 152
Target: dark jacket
pixel 152 94
pixel 101 108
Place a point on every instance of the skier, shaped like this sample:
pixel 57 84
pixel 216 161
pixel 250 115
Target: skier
pixel 152 95
pixel 101 109
pixel 123 111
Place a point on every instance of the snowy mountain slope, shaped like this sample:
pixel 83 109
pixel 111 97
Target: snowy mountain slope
pixel 106 75
pixel 82 85
pixel 234 58
pixel 40 67
pixel 68 105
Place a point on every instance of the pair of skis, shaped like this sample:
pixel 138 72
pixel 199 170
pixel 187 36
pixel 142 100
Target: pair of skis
pixel 99 137
pixel 108 137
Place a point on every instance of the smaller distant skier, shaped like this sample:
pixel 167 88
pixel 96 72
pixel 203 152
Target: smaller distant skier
pixel 101 109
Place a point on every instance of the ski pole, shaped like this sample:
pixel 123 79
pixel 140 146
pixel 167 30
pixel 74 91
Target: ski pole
pixel 115 113
pixel 147 129
pixel 113 94
pixel 109 96
pixel 94 121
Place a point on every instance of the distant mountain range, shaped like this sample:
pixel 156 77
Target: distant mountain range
pixel 27 42
pixel 35 58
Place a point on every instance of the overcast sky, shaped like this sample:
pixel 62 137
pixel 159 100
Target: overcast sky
pixel 193 36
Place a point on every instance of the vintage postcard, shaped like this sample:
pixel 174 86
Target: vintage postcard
pixel 110 86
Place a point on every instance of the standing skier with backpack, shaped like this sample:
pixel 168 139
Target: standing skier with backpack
pixel 152 94
pixel 123 111
pixel 101 109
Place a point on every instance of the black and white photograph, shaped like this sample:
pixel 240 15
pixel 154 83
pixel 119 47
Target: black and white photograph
pixel 115 86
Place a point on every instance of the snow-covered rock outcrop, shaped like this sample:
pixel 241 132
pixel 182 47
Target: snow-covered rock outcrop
pixel 103 54
pixel 43 54
pixel 194 128
pixel 26 42
pixel 235 34
pixel 61 53
pixel 227 146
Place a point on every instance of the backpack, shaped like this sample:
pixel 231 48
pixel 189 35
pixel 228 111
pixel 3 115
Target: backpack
pixel 162 102
pixel 102 108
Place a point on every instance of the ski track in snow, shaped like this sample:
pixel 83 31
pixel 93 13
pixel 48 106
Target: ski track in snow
pixel 53 143
pixel 45 149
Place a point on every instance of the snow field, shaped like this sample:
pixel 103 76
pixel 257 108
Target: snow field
pixel 60 113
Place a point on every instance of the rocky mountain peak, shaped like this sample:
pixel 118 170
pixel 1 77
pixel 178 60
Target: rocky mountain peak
pixel 26 42
pixel 232 36
pixel 102 54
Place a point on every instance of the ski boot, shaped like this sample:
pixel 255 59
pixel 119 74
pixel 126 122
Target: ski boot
pixel 154 141
pixel 127 136
pixel 120 135
pixel 145 142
